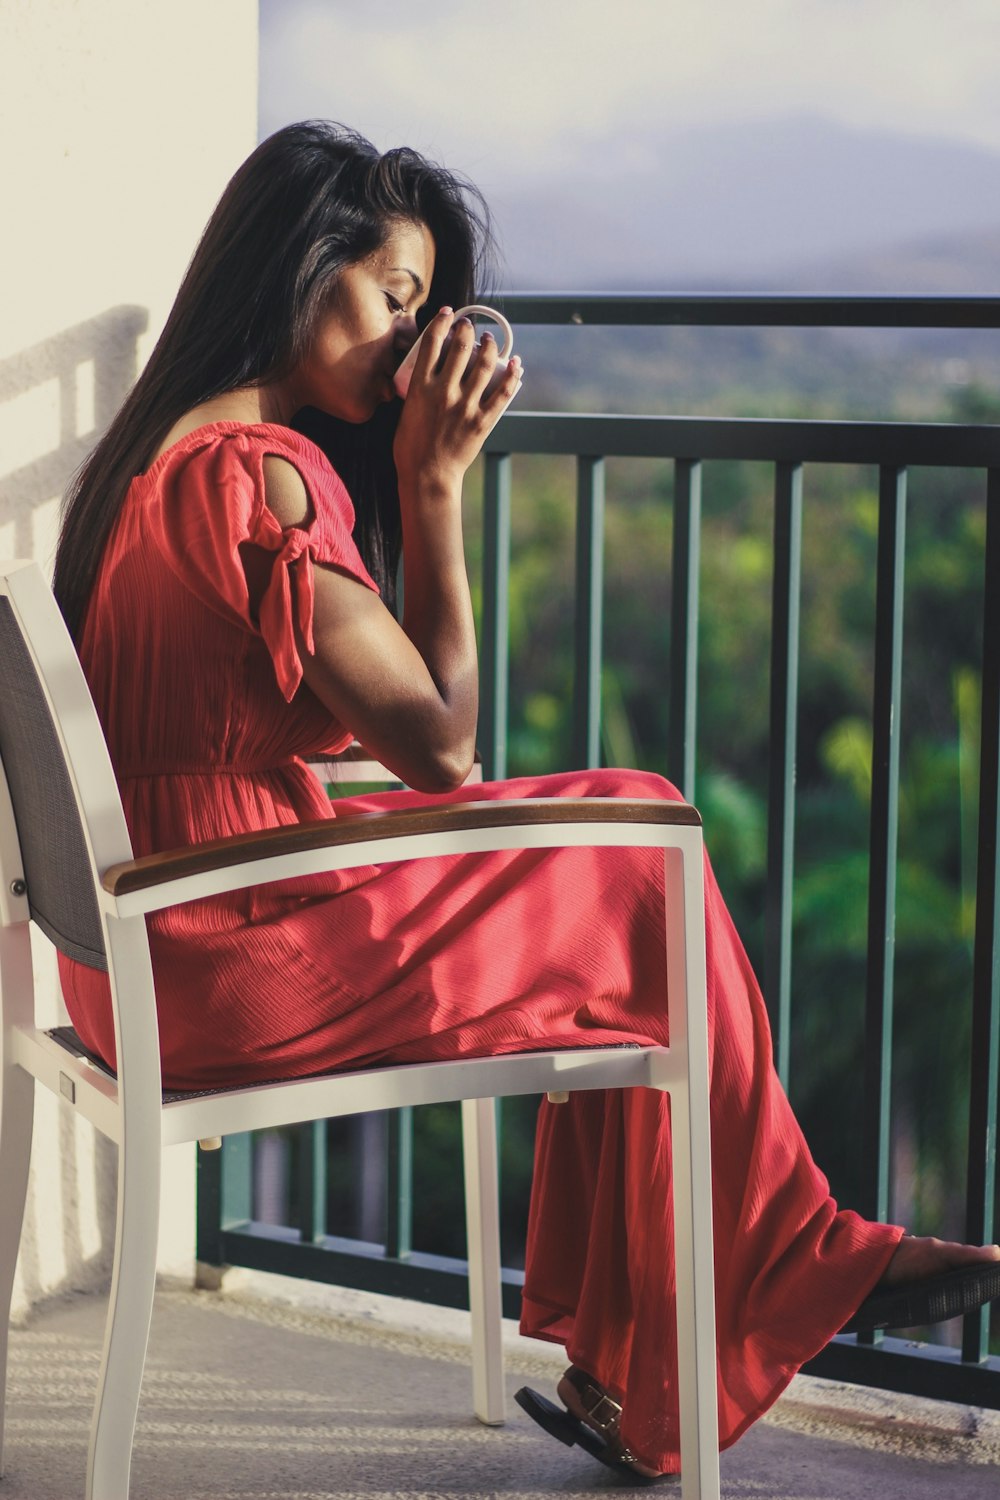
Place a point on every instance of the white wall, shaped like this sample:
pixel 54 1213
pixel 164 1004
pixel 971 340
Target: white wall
pixel 120 123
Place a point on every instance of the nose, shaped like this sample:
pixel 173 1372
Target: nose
pixel 406 334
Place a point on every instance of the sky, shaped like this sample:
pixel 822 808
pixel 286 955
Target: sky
pixel 524 86
pixel 726 138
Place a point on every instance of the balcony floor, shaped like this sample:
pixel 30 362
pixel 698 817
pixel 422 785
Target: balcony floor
pixel 303 1396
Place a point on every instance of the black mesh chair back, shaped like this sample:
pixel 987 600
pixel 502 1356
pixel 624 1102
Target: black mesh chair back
pixel 57 865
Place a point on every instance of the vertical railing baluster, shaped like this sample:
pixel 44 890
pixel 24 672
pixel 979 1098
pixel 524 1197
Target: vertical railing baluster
pixel 237 1178
pixel 209 1223
pixel 883 841
pixel 312 1182
pixel 981 1178
pixel 589 611
pixel 785 595
pixel 496 590
pixel 224 1187
pixel 683 692
pixel 399 1184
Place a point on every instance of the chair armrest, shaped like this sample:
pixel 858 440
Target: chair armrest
pixel 368 830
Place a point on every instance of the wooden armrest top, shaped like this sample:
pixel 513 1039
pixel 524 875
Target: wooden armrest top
pixel 359 828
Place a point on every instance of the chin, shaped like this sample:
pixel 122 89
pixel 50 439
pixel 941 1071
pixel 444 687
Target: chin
pixel 356 414
pixel 365 415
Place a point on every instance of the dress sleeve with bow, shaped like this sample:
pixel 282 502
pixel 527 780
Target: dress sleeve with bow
pixel 210 502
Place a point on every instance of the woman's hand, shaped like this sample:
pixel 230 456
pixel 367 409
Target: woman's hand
pixel 448 411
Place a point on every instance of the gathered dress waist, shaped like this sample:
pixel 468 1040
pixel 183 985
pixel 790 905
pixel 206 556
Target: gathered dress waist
pixel 211 768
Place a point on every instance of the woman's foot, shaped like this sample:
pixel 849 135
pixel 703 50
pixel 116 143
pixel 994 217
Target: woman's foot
pixel 590 1403
pixel 928 1281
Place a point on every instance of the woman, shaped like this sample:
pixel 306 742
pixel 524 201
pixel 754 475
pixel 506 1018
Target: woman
pixel 226 604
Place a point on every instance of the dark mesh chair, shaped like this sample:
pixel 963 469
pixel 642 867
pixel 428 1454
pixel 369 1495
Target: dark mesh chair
pixel 66 864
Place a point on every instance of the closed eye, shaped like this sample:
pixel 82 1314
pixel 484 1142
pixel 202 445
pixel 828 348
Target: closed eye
pixel 394 303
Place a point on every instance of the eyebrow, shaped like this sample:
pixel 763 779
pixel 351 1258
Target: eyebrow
pixel 414 277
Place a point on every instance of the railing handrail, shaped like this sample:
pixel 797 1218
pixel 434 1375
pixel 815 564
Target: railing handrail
pixel 766 439
pixel 748 310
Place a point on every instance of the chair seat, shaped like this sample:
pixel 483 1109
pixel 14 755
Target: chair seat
pixel 69 1037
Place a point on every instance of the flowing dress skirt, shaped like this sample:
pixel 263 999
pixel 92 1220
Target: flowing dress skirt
pixel 483 954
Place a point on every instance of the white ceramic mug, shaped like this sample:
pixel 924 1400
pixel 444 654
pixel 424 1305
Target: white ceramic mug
pixel 401 379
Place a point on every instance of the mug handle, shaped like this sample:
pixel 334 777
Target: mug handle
pixel 477 309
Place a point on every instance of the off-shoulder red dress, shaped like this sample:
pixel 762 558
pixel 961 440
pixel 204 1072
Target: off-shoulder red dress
pixel 207 719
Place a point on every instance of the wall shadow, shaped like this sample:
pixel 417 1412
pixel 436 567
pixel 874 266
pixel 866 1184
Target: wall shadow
pixel 93 365
pixel 90 368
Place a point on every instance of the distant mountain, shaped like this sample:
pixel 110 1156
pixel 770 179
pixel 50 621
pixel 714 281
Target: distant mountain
pixel 948 265
pixel 800 202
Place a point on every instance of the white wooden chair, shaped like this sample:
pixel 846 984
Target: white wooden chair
pixel 66 864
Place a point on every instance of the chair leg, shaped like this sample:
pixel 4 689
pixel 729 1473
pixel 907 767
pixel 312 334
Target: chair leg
pixel 127 1331
pixel 482 1213
pixel 691 1174
pixel 695 1270
pixel 17 1097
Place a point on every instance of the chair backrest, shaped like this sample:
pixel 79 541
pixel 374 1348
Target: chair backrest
pixel 65 800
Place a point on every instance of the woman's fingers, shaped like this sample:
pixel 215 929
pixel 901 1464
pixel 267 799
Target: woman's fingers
pixel 501 388
pixel 457 354
pixel 432 341
pixel 470 372
pixel 481 367
pixel 488 383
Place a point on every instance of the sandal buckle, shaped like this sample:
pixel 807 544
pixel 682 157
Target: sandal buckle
pixel 604 1412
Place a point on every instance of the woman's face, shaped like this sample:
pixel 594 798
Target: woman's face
pixel 370 323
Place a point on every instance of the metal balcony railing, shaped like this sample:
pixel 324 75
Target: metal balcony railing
pixel 228 1230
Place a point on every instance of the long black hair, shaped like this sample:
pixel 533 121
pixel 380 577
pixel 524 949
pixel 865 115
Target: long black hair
pixel 311 200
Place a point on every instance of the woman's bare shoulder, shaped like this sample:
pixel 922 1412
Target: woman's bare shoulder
pixel 285 492
pixel 233 406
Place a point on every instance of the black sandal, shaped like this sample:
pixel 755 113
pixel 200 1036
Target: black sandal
pixel 604 1445
pixel 933 1299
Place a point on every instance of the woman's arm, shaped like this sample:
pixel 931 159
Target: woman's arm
pixel 409 692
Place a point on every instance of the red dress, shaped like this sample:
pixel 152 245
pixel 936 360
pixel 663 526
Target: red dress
pixel 207 721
